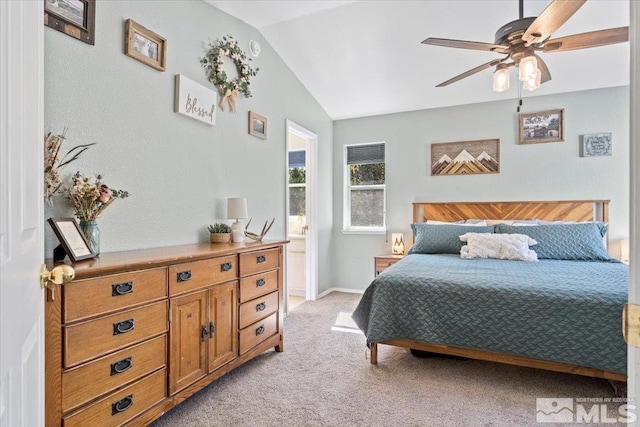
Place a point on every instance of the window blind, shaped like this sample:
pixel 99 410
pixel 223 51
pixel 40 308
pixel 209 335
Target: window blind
pixel 297 159
pixel 365 154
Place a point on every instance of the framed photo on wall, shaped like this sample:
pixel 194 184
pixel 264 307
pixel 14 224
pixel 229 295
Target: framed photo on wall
pixel 145 45
pixel 71 239
pixel 544 126
pixel 75 18
pixel 257 125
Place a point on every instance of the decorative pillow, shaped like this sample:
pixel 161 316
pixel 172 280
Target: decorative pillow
pixel 442 238
pixel 500 246
pixel 580 241
pixel 511 221
pixel 431 221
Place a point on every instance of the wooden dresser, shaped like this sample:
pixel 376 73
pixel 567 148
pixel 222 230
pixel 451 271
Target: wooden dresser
pixel 138 332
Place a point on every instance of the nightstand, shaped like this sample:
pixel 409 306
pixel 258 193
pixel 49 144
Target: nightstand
pixel 384 261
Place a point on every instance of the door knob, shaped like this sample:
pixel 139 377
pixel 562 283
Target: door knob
pixel 59 275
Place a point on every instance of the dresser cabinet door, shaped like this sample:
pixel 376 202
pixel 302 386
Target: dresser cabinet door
pixel 223 324
pixel 188 337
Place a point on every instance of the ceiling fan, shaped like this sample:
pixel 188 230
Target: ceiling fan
pixel 522 39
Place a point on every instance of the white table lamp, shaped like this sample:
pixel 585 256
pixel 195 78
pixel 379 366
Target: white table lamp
pixel 237 209
pixel 397 247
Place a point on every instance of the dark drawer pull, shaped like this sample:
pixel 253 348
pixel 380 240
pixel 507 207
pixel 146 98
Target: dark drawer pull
pixel 261 306
pixel 261 259
pixel 121 365
pixel 260 330
pixel 212 329
pixel 203 333
pixel 122 404
pixel 123 327
pixel 183 276
pixel 226 266
pixel 260 283
pixel 121 288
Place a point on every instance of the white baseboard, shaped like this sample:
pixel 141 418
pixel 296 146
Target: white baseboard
pixel 347 290
pixel 297 292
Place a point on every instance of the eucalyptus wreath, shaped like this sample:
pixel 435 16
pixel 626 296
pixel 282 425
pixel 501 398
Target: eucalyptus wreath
pixel 212 62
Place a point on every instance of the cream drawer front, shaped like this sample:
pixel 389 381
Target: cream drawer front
pixel 93 297
pixel 198 274
pixel 260 284
pixel 118 408
pixel 256 309
pixel 254 262
pixel 86 382
pixel 254 334
pixel 88 340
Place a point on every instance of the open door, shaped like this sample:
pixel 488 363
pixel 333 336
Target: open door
pixel 21 213
pixel 301 258
pixel 634 265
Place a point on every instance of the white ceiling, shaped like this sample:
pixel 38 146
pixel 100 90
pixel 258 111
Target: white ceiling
pixel 363 58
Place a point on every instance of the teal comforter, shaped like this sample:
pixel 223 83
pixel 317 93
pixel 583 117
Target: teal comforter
pixel 566 311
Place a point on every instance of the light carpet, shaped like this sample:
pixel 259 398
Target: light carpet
pixel 323 379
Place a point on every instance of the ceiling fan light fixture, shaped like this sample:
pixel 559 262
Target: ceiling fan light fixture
pixel 533 84
pixel 527 68
pixel 501 78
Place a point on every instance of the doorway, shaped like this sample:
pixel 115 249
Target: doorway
pixel 301 254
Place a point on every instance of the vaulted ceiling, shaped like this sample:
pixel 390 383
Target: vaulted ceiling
pixel 363 58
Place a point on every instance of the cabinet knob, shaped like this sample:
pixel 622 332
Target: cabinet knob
pixel 260 330
pixel 121 365
pixel 118 289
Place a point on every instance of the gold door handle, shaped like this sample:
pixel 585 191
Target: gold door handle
pixel 58 275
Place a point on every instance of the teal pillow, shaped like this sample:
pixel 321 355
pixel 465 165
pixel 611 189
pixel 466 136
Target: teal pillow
pixel 580 241
pixel 442 238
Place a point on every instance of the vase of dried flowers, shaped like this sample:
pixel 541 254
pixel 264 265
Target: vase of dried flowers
pixel 54 162
pixel 89 198
pixel 91 232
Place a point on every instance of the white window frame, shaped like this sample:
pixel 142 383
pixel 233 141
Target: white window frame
pixel 347 228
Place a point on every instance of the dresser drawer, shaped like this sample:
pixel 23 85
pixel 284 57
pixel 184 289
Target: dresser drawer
pixel 193 275
pixel 256 309
pixel 254 262
pixel 93 297
pixel 259 284
pixel 87 340
pixel 86 382
pixel 118 408
pixel 256 333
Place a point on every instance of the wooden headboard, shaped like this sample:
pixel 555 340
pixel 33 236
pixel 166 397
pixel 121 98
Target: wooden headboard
pixel 570 210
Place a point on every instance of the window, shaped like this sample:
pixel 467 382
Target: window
pixel 364 208
pixel 297 191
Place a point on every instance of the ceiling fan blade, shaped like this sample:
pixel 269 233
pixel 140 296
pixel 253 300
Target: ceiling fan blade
pixel 464 44
pixel 545 75
pixel 471 72
pixel 552 18
pixel 587 40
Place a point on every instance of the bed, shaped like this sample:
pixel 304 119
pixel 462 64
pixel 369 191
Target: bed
pixel 556 314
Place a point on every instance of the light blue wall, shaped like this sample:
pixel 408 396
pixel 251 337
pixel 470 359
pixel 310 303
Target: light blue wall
pixel 178 170
pixel 551 171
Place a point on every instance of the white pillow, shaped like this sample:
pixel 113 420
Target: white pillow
pixel 499 246
pixel 479 222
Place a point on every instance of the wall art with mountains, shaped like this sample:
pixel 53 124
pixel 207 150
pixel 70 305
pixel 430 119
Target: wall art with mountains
pixel 466 157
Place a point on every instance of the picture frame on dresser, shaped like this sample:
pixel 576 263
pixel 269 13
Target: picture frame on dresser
pixel 72 241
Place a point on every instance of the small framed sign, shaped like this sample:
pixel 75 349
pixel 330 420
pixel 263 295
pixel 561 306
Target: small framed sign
pixel 195 101
pixel 71 240
pixel 596 144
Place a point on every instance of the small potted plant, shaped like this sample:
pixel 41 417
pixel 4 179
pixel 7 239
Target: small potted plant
pixel 220 233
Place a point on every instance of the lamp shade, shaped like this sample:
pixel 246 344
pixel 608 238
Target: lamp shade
pixel 237 208
pixel 397 247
